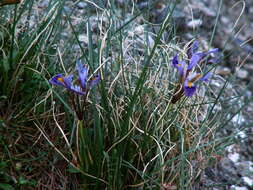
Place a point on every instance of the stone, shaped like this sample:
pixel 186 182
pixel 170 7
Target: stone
pixel 234 187
pixel 223 71
pixel 81 5
pixel 194 23
pixel 83 38
pixel 242 73
pixel 43 4
pixel 248 181
pixel 245 168
pixel 67 9
pixel 248 66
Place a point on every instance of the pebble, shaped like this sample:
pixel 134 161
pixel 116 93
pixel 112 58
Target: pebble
pixel 242 73
pixel 238 119
pixel 233 187
pixel 209 12
pixel 245 168
pixel 232 154
pixel 67 9
pixel 81 5
pixel 142 5
pixel 225 20
pixel 83 38
pixel 223 71
pixel 194 23
pixel 205 8
pixel 248 181
pixel 248 66
pixel 234 157
pixel 139 30
pixel 143 41
pixel 121 2
pixel 43 4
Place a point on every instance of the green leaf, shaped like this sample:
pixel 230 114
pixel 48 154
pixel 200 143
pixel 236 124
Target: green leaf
pixel 6 65
pixel 71 169
pixel 6 186
pixel 22 180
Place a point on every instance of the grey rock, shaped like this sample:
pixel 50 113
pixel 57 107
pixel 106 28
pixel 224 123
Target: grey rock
pixel 43 3
pixel 67 9
pixel 242 73
pixel 81 5
pixel 194 23
pixel 223 71
pixel 248 66
pixel 234 187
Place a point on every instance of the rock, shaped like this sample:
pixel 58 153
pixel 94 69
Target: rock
pixel 83 38
pixel 143 40
pixel 234 157
pixel 178 16
pixel 139 30
pixel 121 2
pixel 224 20
pixel 233 187
pixel 248 181
pixel 65 34
pixel 223 71
pixel 206 8
pixel 242 73
pixel 81 5
pixel 43 4
pixel 238 119
pixel 245 168
pixel 248 66
pixel 142 5
pixel 194 23
pixel 67 9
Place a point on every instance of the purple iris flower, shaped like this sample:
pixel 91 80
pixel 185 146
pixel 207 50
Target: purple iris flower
pixel 59 79
pixel 180 65
pixel 197 57
pixel 187 78
pixel 194 47
pixel 94 81
pixel 82 73
pixel 206 77
pixel 83 76
pixel 189 84
pixel 67 81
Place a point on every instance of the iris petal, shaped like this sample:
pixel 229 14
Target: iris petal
pixel 83 73
pixel 55 80
pixel 189 91
pixel 193 49
pixel 175 61
pixel 181 69
pixel 189 88
pixel 206 77
pixel 179 65
pixel 60 80
pixel 77 89
pixel 196 57
pixel 94 81
pixel 68 81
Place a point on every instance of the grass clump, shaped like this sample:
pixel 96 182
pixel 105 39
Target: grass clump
pixel 126 133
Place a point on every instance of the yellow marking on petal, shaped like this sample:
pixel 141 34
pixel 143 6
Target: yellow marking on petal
pixel 60 79
pixel 190 84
